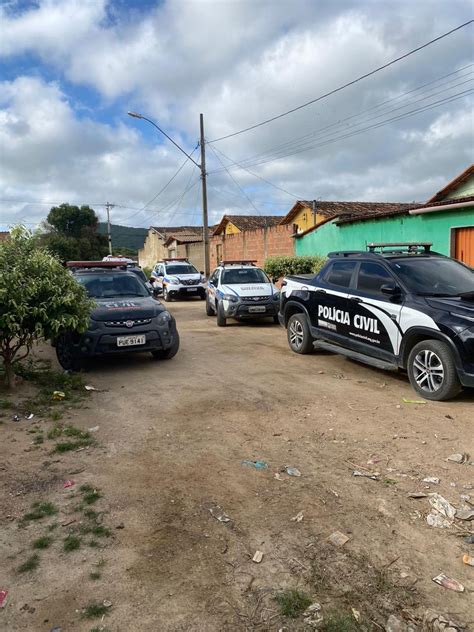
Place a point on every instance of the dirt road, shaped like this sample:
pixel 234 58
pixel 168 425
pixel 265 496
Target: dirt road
pixel 171 440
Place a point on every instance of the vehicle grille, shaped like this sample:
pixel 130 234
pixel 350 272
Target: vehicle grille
pixel 256 299
pixel 123 323
pixel 189 281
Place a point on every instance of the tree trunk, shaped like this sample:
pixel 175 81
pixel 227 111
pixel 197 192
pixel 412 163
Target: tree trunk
pixel 9 375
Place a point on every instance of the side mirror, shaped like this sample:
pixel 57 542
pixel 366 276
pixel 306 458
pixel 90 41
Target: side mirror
pixel 391 289
pixel 201 272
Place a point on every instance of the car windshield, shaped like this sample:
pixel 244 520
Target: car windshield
pixel 244 275
pixel 435 276
pixel 181 269
pixel 112 285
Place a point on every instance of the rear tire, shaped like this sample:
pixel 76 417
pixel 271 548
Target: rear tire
pixel 299 336
pixel 166 295
pixel 432 371
pixel 221 319
pixel 167 354
pixel 275 320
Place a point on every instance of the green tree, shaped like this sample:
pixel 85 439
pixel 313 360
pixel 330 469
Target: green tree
pixel 72 233
pixel 38 299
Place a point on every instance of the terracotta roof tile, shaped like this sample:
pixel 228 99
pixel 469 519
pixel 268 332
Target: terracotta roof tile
pixel 248 222
pixel 462 177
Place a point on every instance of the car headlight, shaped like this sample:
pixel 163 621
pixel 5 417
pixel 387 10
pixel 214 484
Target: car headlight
pixel 174 281
pixel 276 296
pixel 163 318
pixel 203 279
pixel 232 298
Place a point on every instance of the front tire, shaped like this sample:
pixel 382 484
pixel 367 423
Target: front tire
pixel 167 354
pixel 166 295
pixel 68 355
pixel 299 336
pixel 221 319
pixel 432 371
pixel 209 310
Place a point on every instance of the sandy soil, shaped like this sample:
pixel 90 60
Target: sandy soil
pixel 172 437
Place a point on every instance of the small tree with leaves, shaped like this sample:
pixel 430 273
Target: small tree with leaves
pixel 38 299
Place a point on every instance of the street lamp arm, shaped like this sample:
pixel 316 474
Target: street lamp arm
pixel 140 116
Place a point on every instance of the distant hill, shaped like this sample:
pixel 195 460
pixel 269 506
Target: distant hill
pixel 125 236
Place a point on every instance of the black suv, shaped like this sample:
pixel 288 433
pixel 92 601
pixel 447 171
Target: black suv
pixel 397 306
pixel 126 317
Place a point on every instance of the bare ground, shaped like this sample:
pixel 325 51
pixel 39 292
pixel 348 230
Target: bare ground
pixel 172 437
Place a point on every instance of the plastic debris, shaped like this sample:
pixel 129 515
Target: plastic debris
pixel 313 617
pixel 458 458
pixel 68 483
pixel 355 614
pixel 413 401
pixel 257 557
pixel 469 539
pixel 448 582
pixel 16 418
pixel 417 495
pixel 107 603
pixel 465 514
pixel 93 429
pixel 292 471
pixel 338 539
pixel 220 515
pixel 29 416
pixel 468 559
pixel 56 628
pixel 258 465
pixel 3 597
pixel 88 387
pixel 58 395
pixel 374 477
pixel 432 480
pixel 435 622
pixel 299 517
pixel 278 476
pixel 442 506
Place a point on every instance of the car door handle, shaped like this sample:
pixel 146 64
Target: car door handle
pixel 355 299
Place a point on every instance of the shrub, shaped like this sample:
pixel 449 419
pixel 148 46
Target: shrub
pixel 277 267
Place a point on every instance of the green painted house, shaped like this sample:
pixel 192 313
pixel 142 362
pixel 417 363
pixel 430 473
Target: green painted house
pixel 446 220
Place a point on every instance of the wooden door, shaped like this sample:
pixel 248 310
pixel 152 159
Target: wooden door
pixel 464 245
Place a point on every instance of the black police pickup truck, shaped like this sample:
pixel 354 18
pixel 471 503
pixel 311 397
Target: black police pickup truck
pixel 126 317
pixel 396 306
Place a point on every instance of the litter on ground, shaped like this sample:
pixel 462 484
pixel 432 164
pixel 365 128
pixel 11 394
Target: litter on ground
pixel 374 477
pixel 257 557
pixel 292 471
pixel 298 518
pixel 3 597
pixel 338 539
pixel 458 457
pixel 258 465
pixel 448 582
pixel 217 513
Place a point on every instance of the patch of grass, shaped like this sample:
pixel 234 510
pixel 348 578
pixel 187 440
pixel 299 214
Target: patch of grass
pixel 91 495
pixel 94 544
pixel 42 543
pixel 55 432
pixel 293 603
pixel 101 532
pixel 40 510
pixel 94 610
pixel 38 440
pixel 339 622
pixel 55 415
pixel 388 482
pixel 95 575
pixel 5 404
pixel 91 514
pixel 71 543
pixel 31 564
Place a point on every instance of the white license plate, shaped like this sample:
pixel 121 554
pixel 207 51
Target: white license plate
pixel 257 309
pixel 131 341
pixel 192 289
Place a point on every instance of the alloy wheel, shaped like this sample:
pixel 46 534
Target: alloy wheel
pixel 428 371
pixel 296 334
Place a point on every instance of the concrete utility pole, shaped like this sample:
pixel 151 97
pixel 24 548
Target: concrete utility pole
pixel 205 226
pixel 108 206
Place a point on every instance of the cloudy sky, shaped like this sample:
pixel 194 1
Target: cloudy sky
pixel 71 69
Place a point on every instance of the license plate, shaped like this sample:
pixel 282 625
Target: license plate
pixel 257 309
pixel 131 341
pixel 192 289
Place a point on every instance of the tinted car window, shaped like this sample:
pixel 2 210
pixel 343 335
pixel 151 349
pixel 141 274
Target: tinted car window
pixel 181 269
pixel 340 273
pixel 371 277
pixel 112 285
pixel 244 275
pixel 435 276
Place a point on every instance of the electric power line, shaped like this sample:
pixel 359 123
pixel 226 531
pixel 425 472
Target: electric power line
pixel 346 85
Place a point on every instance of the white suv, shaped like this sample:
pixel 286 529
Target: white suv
pixel 238 289
pixel 178 277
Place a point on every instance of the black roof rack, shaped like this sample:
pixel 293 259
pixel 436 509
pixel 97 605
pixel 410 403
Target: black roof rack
pixel 402 246
pixel 241 262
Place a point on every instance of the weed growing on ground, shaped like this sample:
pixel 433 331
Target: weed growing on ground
pixel 94 575
pixel 5 404
pixel 90 494
pixel 78 438
pixel 42 543
pixel 55 415
pixel 38 440
pixel 91 514
pixel 293 603
pixel 94 610
pixel 101 563
pixel 339 622
pixel 94 544
pixel 40 510
pixel 31 564
pixel 71 543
